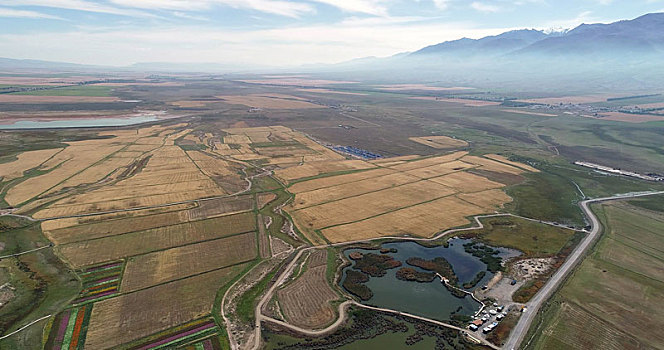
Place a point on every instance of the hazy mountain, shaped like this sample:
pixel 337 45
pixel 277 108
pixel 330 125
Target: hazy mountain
pixel 643 35
pixel 490 45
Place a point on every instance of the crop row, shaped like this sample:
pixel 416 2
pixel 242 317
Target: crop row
pixel 69 328
pixel 99 282
pixel 199 334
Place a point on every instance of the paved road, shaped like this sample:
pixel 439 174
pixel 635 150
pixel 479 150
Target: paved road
pixel 260 317
pixel 533 306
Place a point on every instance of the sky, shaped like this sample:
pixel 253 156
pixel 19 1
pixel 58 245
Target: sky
pixel 274 32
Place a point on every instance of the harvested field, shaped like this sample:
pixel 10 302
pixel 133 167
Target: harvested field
pixel 466 182
pixel 110 226
pixel 128 203
pixel 409 198
pixel 211 166
pixel 288 151
pixel 94 173
pixel 489 200
pixel 295 81
pixel 583 99
pixel 189 104
pixel 114 227
pixel 175 263
pixel 382 161
pixel 221 206
pixel 270 102
pixel 333 193
pixel 439 142
pixel 528 112
pixel 73 159
pixel 306 301
pixel 50 225
pixel 12 98
pixel 317 168
pixel 502 159
pixel 491 165
pixel 148 311
pixel 356 208
pixel 25 161
pixel 574 328
pixel 423 220
pixel 440 169
pixel 169 176
pixel 425 162
pixel 328 91
pixel 406 87
pixel 140 242
pixel 465 102
pixel 629 118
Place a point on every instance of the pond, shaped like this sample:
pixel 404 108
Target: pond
pixel 433 299
pixel 78 123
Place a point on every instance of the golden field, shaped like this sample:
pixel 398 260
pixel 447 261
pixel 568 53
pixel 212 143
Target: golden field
pixel 175 263
pixel 25 161
pixel 413 196
pixel 439 142
pixel 136 315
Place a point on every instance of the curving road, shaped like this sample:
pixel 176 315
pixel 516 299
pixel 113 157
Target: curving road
pixel 533 306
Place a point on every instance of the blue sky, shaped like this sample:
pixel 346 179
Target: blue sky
pixel 274 32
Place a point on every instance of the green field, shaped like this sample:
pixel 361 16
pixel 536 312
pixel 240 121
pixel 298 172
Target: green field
pixel 82 90
pixel 42 284
pixel 531 238
pixel 614 299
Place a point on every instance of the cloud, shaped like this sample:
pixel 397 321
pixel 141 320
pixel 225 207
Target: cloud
pixel 78 5
pixel 372 7
pixel 442 4
pixel 483 7
pixel 142 8
pixel 184 15
pixel 286 46
pixel 5 12
pixel 278 7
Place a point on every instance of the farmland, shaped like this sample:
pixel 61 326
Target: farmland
pixel 433 193
pixel 440 142
pixel 148 311
pixel 306 302
pixel 616 290
pixel 152 225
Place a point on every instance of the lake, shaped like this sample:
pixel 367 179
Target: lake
pixel 78 123
pixel 431 300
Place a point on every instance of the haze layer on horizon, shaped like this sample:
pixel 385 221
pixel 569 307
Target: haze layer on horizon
pixel 274 32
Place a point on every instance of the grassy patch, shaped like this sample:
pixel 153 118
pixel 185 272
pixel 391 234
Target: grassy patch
pixel 42 283
pixel 246 305
pixel 620 274
pixel 532 238
pixel 654 203
pixel 82 90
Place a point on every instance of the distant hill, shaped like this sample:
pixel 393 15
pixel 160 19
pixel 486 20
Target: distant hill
pixel 625 55
pixel 490 45
pixel 643 35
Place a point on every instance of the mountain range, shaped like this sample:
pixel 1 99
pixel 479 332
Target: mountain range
pixel 625 54
pixel 643 35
